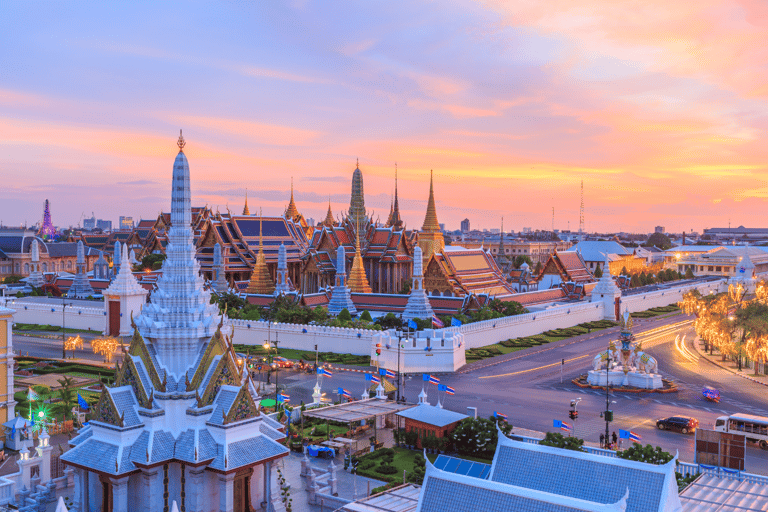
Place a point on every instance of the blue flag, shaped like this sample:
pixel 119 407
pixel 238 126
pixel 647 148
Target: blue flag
pixel 441 387
pixel 81 402
pixel 623 434
pixel 13 430
pixel 557 423
pixel 413 325
pixel 455 322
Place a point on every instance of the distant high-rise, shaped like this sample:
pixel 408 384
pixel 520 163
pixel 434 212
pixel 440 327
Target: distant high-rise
pixel 126 222
pixel 89 223
pixel 465 226
pixel 104 225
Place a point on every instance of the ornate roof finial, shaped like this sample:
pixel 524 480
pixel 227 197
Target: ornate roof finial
pixel 357 163
pixel 246 211
pixel 181 142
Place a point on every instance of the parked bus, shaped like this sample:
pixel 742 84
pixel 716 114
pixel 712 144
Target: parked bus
pixel 755 428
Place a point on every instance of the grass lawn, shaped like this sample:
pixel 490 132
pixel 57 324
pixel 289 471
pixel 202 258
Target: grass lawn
pixel 295 355
pixel 49 329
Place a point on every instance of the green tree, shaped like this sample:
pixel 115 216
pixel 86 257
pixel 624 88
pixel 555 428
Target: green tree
pixel 12 279
pixel 524 258
pixel 538 268
pixel 389 321
pixel 659 240
pixel 646 454
pixel 406 288
pixel 560 441
pixel 478 436
pixel 344 315
pixel 689 273
pixel 151 261
pixel 624 271
pixel 643 279
pixel 598 272
pixel 366 316
pixel 66 394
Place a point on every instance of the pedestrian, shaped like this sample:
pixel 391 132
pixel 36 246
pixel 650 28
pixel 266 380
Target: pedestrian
pixel 615 438
pixel 602 440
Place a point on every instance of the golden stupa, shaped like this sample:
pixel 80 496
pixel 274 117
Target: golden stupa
pixel 329 216
pixel 291 212
pixel 261 282
pixel 357 281
pixel 246 211
pixel 431 238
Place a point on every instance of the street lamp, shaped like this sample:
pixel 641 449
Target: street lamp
pixel 608 413
pixel 269 354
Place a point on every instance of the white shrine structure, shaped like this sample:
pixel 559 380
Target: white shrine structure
pixel 628 366
pixel 180 424
pixel 123 299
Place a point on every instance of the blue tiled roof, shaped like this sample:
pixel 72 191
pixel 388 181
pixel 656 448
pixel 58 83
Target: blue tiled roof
pixel 593 250
pixel 440 494
pixel 588 477
pixel 248 451
pixel 222 403
pixel 185 446
pixel 97 455
pixel 271 432
pixel 162 446
pixel 207 447
pixel 432 415
pixel 81 437
pixel 125 402
pixel 143 375
pixel 139 448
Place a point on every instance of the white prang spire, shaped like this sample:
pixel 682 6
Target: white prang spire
pixel 418 305
pixel 180 318
pixel 281 286
pixel 35 278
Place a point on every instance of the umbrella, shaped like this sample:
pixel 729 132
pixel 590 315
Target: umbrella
pixel 268 402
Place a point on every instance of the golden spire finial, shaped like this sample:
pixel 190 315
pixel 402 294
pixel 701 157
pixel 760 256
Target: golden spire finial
pixel 291 212
pixel 246 211
pixel 357 163
pixel 358 280
pixel 181 142
pixel 260 281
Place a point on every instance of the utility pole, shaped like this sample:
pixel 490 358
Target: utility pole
pixel 63 329
pixel 608 413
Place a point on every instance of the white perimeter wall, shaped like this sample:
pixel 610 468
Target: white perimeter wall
pixel 447 345
pixel 75 317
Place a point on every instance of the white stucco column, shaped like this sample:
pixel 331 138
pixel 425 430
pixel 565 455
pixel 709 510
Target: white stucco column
pixel 196 497
pixel 268 486
pixel 227 493
pixel 119 494
pixel 151 483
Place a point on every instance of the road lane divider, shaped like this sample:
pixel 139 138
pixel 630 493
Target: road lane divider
pixel 534 369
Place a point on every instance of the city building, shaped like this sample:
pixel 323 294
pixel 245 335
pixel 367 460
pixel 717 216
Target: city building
pixel 537 251
pixel 465 226
pixel 89 223
pixel 430 420
pixel 16 254
pixel 594 253
pixel 565 267
pixel 104 225
pixel 720 261
pixel 126 223
pixel 181 422
pixel 740 233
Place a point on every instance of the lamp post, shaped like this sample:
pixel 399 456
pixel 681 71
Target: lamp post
pixel 64 330
pixel 269 354
pixel 608 413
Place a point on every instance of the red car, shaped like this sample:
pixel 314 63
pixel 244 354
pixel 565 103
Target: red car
pixel 281 362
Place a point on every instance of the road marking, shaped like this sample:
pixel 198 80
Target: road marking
pixel 534 369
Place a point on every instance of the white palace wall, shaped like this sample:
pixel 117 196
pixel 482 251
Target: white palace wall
pixel 424 351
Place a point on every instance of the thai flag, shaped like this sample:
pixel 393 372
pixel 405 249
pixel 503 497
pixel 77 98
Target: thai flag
pixel 343 392
pixel 372 378
pixel 448 389
pixel 565 426
pixel 499 416
pixel 386 373
pixel 282 397
pixel 437 323
pixel 323 371
pixel 634 437
pixel 428 378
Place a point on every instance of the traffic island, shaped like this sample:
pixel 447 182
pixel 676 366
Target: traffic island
pixel 668 386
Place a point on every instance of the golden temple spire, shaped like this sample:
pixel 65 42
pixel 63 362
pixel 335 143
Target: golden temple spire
pixel 246 211
pixel 430 220
pixel 431 238
pixel 261 282
pixel 396 220
pixel 181 142
pixel 357 280
pixel 329 216
pixel 291 212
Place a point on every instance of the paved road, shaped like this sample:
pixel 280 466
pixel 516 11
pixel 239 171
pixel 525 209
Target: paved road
pixel 527 387
pixel 48 347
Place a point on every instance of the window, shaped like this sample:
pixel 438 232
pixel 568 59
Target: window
pixel 26 268
pixel 718 269
pixel 710 268
pixel 45 267
pixel 719 423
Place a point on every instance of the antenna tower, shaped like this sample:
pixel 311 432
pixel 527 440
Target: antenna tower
pixel 581 210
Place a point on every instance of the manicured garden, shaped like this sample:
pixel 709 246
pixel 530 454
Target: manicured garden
pixel 654 312
pixel 48 328
pixel 512 345
pixel 308 357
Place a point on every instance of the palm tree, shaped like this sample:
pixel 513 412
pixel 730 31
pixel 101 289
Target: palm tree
pixel 67 394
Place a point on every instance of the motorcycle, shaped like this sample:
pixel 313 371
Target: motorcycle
pixel 711 394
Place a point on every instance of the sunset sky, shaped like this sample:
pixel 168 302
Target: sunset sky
pixel 659 106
